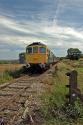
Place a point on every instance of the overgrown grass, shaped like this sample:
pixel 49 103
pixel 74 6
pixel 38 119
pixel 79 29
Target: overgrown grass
pixel 16 73
pixel 4 77
pixel 9 75
pixel 55 110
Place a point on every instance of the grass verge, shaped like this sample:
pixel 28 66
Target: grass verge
pixel 55 110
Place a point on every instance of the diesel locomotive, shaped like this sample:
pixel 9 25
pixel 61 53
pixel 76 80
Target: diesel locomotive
pixel 38 54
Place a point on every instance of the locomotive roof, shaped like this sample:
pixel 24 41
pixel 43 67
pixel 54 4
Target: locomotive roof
pixel 22 53
pixel 37 43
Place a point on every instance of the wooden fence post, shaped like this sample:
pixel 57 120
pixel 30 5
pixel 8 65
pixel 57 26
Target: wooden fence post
pixel 74 92
pixel 72 86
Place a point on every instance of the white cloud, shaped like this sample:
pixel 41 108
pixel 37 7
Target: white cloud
pixel 11 24
pixel 54 35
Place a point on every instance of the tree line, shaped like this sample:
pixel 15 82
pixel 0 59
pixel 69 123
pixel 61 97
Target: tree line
pixel 74 54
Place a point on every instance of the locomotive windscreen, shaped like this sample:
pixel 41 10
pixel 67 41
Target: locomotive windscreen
pixel 42 50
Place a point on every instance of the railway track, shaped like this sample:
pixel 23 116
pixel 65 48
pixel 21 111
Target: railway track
pixel 14 95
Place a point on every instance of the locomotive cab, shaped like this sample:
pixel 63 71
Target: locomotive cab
pixel 36 54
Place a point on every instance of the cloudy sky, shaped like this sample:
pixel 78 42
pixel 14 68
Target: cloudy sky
pixel 57 23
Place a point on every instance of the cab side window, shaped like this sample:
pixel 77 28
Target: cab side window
pixel 29 50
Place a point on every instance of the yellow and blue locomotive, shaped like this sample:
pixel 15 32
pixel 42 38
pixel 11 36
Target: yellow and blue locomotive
pixel 38 54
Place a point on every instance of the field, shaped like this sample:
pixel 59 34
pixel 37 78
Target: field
pixel 9 67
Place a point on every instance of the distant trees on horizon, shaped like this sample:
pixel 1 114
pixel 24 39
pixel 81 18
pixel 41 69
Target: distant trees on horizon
pixel 74 53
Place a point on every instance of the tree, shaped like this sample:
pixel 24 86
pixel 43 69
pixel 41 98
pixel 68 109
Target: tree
pixel 74 53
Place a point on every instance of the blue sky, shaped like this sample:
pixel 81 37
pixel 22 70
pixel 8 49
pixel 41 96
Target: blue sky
pixel 57 23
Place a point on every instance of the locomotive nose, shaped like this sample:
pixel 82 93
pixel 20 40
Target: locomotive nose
pixel 35 59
